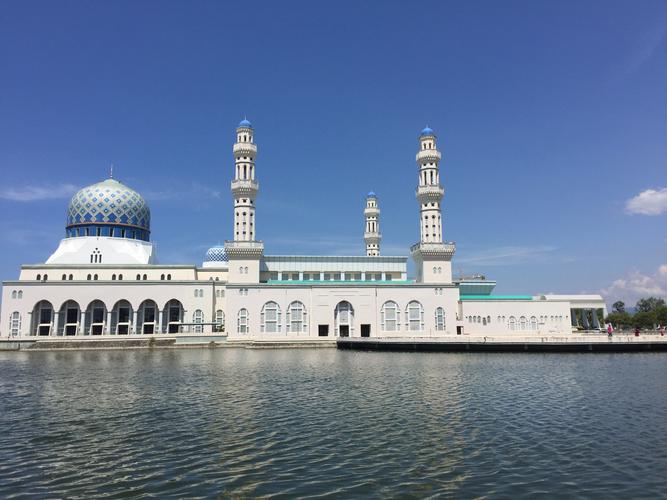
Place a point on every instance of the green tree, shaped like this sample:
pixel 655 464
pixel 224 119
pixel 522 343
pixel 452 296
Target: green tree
pixel 644 319
pixel 661 315
pixel 620 319
pixel 618 306
pixel 650 304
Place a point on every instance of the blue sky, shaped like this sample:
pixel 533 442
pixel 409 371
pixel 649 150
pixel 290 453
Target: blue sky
pixel 552 119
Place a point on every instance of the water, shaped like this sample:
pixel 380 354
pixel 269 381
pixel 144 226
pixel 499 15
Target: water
pixel 302 423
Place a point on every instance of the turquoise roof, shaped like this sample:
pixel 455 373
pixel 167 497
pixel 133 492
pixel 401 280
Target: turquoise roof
pixel 496 297
pixel 245 123
pixel 427 131
pixel 371 194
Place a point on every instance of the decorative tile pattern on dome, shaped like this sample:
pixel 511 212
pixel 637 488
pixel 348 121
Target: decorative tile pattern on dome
pixel 216 254
pixel 109 202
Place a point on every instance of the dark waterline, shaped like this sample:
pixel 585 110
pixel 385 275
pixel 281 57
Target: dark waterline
pixel 237 422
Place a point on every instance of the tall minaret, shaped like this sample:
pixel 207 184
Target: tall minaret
pixel 244 251
pixel 432 256
pixel 372 234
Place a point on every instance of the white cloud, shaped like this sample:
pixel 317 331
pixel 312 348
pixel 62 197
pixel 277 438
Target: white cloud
pixel 649 202
pixel 508 255
pixel 38 193
pixel 637 285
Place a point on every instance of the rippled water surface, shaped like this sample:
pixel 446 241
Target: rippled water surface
pixel 299 423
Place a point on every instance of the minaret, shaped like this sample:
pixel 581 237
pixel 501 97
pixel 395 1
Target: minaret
pixel 372 234
pixel 244 251
pixel 432 256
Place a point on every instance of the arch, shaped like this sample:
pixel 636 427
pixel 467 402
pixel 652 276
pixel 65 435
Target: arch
pixel 14 294
pixel 15 324
pixel 242 321
pixel 42 318
pixel 138 277
pixel 439 319
pixel 198 319
pixel 95 318
pixel 20 294
pixel 533 323
pixel 343 319
pixel 172 316
pixel 270 318
pixel 390 317
pixel 219 320
pixel 512 323
pixel 523 324
pixel 414 316
pixel 121 318
pixel 71 277
pixel 39 277
pixel 297 318
pixel 147 318
pixel 69 320
pixel 145 277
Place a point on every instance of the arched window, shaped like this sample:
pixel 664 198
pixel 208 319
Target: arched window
pixel 220 320
pixel 64 277
pixel 20 294
pixel 242 321
pixel 389 317
pixel 89 277
pixel 113 277
pixel 440 319
pixel 95 277
pixel 533 323
pixel 138 277
pixel 198 319
pixel 512 323
pixel 296 318
pixel 162 276
pixel 522 323
pixel 71 277
pixel 14 294
pixel 414 317
pixel 39 277
pixel 270 318
pixel 46 277
pixel 120 277
pixel 145 277
pixel 168 276
pixel 15 324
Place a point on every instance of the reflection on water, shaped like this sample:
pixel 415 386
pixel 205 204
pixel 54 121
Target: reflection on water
pixel 310 422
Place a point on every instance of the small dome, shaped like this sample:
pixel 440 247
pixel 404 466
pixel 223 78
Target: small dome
pixel 427 131
pixel 245 124
pixel 216 254
pixel 108 208
pixel 371 194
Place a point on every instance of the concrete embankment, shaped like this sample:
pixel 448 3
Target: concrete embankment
pixel 499 344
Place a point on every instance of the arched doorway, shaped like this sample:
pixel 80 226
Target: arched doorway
pixel 42 319
pixel 173 314
pixel 95 318
pixel 121 318
pixel 344 319
pixel 147 318
pixel 69 318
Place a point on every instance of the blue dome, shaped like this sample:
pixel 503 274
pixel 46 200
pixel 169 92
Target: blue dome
pixel 371 194
pixel 427 131
pixel 245 123
pixel 216 254
pixel 108 208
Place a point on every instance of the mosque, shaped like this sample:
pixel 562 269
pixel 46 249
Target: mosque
pixel 104 280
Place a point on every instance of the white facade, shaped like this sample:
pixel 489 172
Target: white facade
pixel 103 279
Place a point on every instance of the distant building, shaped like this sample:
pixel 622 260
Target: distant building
pixel 103 279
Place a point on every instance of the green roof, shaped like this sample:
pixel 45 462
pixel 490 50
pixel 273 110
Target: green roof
pixel 496 297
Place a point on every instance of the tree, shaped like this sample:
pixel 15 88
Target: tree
pixel 650 304
pixel 644 319
pixel 618 306
pixel 661 315
pixel 620 319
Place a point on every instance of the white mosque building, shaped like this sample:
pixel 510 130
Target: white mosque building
pixel 103 280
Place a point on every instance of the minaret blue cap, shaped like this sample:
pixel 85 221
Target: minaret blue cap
pixel 371 194
pixel 427 131
pixel 245 123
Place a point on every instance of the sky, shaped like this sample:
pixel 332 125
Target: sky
pixel 551 118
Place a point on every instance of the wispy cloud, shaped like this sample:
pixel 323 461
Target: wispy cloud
pixel 646 46
pixel 38 193
pixel 637 285
pixel 507 255
pixel 193 191
pixel 649 202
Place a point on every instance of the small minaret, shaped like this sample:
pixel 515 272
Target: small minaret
pixel 432 256
pixel 372 234
pixel 244 251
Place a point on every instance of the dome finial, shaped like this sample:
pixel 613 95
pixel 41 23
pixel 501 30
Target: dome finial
pixel 111 171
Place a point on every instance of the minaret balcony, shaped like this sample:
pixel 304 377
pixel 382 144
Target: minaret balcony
pixel 371 211
pixel 247 149
pixel 247 188
pixel 372 237
pixel 434 250
pixel 427 194
pixel 428 155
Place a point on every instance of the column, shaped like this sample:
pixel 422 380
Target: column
pixel 160 316
pixel 596 321
pixel 135 316
pixel 54 328
pixel 584 317
pixel 107 327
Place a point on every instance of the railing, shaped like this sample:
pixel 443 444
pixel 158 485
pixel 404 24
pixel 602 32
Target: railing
pixel 245 147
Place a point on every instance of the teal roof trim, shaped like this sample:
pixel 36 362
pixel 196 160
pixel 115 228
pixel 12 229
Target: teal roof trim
pixel 496 297
pixel 339 282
